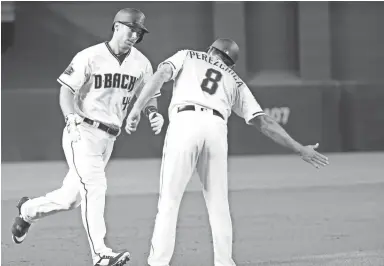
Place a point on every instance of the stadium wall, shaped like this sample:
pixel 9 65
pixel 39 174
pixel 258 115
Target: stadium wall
pixel 340 108
pixel 340 118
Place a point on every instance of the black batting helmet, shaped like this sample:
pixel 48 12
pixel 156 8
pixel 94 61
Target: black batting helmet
pixel 131 17
pixel 228 47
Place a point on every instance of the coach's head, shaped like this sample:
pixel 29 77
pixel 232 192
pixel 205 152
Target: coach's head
pixel 226 50
pixel 128 27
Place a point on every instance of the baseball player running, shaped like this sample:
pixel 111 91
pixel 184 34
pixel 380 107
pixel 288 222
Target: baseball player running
pixel 96 90
pixel 206 89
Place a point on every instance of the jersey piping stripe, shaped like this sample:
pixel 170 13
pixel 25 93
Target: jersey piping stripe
pixel 257 113
pixel 63 83
pixel 161 176
pixel 169 62
pixel 86 201
pixel 114 55
pixel 162 168
pixel 152 249
pixel 162 161
pixel 156 95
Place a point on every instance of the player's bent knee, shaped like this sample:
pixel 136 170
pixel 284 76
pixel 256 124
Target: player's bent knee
pixel 93 179
pixel 70 205
pixel 74 205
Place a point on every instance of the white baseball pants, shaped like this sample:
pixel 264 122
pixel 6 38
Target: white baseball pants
pixel 85 184
pixel 196 140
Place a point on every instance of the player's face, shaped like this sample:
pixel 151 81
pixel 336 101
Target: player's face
pixel 128 35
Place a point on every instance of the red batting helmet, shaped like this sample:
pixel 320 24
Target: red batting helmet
pixel 131 17
pixel 227 47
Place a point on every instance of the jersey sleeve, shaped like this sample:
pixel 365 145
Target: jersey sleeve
pixel 76 74
pixel 176 62
pixel 245 104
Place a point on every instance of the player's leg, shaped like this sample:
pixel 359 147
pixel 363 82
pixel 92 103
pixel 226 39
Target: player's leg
pixel 87 157
pixel 180 153
pixel 65 198
pixel 31 210
pixel 212 170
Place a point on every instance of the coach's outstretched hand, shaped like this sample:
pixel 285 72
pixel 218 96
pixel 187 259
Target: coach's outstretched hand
pixel 155 119
pixel 157 122
pixel 311 156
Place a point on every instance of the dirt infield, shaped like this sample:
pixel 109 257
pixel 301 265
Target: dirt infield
pixel 284 213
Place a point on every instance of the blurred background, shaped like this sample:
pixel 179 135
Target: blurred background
pixel 316 67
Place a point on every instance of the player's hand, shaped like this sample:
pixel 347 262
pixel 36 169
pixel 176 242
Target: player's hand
pixel 73 120
pixel 133 120
pixel 311 156
pixel 157 122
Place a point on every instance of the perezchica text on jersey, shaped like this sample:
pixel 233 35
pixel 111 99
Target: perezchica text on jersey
pixel 221 65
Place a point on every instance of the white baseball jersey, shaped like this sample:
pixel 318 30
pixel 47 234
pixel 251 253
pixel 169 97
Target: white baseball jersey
pixel 204 80
pixel 196 142
pixel 104 86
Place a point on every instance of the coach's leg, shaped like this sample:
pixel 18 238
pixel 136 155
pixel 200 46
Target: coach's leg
pixel 212 170
pixel 87 158
pixel 180 154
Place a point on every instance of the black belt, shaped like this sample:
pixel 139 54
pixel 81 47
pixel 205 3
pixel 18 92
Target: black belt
pixel 109 130
pixel 193 108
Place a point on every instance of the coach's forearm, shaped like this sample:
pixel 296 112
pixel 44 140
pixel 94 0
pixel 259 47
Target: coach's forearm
pixel 270 128
pixel 150 88
pixel 154 84
pixel 150 107
pixel 66 101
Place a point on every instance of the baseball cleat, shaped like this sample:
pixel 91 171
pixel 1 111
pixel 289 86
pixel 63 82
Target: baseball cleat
pixel 114 259
pixel 20 227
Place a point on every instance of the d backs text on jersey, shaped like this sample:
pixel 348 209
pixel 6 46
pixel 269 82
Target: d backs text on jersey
pixel 117 80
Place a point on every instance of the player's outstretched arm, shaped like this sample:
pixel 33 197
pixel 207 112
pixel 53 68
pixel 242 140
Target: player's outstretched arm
pixel 270 128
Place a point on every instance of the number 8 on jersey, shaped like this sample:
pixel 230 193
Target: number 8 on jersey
pixel 209 84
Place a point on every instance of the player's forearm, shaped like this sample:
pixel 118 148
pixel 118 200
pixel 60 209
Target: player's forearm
pixel 66 101
pixel 270 128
